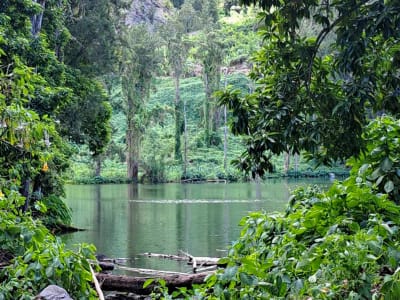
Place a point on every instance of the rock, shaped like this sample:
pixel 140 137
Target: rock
pixel 53 292
pixel 149 12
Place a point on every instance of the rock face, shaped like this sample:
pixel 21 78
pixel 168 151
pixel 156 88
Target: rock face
pixel 53 292
pixel 150 12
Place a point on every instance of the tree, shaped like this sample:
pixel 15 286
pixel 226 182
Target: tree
pixel 93 48
pixel 95 27
pixel 307 101
pixel 177 48
pixel 210 53
pixel 139 62
pixel 211 56
pixel 48 91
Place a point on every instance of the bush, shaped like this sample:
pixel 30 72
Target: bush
pixel 57 212
pixel 40 259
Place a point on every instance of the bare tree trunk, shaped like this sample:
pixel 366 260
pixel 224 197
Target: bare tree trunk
pixel 36 20
pixel 186 140
pixel 178 118
pixel 207 127
pixel 133 145
pixel 225 141
pixel 133 133
pixel 286 163
pixel 97 169
pixel 58 49
pixel 225 127
pixel 26 194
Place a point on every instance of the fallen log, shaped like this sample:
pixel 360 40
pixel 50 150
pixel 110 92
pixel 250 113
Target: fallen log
pixel 200 261
pixel 204 269
pixel 106 266
pixel 124 283
pixel 149 271
pixel 207 261
pixel 192 260
pixel 166 256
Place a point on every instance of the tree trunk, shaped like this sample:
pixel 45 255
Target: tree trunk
pixel 132 141
pixel 97 169
pixel 135 96
pixel 25 192
pixel 185 152
pixel 178 118
pixel 225 127
pixel 207 104
pixel 135 284
pixel 286 163
pixel 36 20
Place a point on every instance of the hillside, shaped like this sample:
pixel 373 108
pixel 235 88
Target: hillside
pixel 158 163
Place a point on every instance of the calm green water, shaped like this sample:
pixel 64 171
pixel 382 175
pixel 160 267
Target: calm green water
pixel 123 221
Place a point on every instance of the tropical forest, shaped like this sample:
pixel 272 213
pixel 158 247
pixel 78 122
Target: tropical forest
pixel 199 149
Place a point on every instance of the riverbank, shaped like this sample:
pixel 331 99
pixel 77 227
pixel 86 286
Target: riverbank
pixel 116 174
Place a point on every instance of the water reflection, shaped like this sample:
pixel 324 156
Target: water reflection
pixel 202 219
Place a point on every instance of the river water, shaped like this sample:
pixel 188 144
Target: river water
pixel 124 221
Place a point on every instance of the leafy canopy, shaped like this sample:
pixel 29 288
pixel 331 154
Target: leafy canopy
pixel 307 100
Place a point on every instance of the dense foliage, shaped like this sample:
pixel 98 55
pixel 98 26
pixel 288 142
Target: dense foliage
pixel 339 244
pixel 40 98
pixel 313 100
pixel 40 259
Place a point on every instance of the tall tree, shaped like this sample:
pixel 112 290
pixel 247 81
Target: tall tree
pixel 138 65
pixel 210 53
pixel 306 100
pixel 174 32
pixel 211 57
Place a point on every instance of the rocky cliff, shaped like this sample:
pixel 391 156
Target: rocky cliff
pixel 149 12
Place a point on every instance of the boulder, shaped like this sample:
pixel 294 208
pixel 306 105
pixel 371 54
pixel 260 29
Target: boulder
pixel 53 292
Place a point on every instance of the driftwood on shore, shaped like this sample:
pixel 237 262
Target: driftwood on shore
pixel 201 268
pixel 130 284
pixel 200 261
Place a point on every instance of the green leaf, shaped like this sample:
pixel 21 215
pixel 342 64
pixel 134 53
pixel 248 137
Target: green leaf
pixel 389 186
pixel 363 169
pixel 28 257
pixel 230 273
pixel 375 174
pixel 378 182
pixel 247 279
pixel 49 271
pixel 148 282
pixel 298 285
pixel 386 164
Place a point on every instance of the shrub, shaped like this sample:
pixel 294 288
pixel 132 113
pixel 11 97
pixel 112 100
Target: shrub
pixel 40 259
